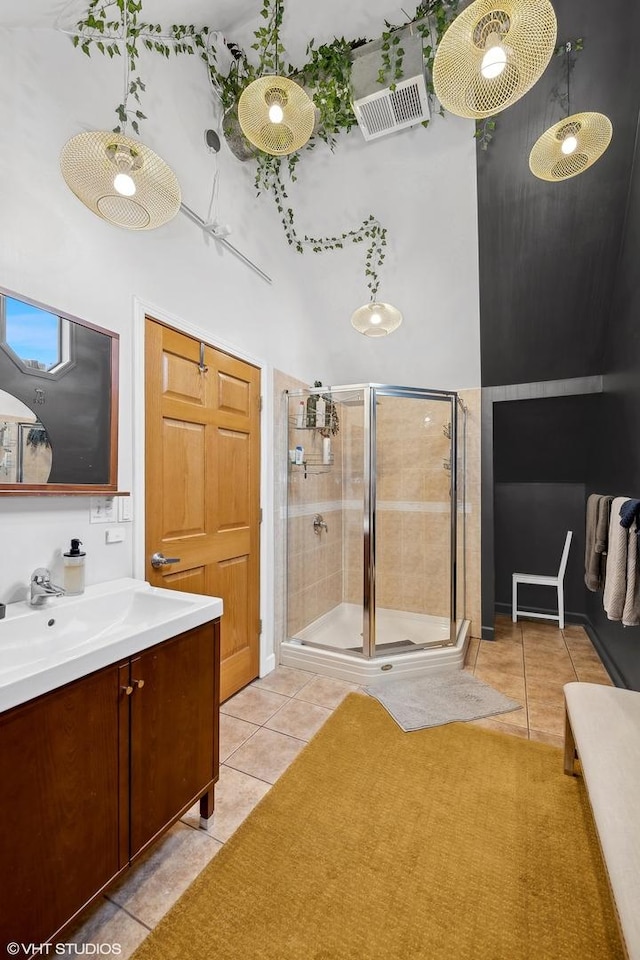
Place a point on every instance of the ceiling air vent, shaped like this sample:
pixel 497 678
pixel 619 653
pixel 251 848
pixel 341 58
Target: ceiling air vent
pixel 378 109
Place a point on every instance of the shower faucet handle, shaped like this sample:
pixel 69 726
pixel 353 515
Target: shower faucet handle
pixel 319 524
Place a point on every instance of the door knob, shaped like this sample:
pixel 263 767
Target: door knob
pixel 159 560
pixel 138 683
pixel 128 690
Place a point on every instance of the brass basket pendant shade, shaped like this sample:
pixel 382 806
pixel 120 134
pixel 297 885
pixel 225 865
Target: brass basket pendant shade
pixel 376 319
pixel 492 54
pixel 570 146
pixel 276 115
pixel 120 180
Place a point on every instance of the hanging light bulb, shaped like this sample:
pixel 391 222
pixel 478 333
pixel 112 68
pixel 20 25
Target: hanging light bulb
pixel 276 113
pixel 376 319
pixel 495 59
pixel 492 54
pixel 124 184
pixel 125 160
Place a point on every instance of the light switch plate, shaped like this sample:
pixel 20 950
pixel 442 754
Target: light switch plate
pixel 125 510
pixel 102 510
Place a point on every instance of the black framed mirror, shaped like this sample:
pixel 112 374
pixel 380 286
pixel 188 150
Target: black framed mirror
pixel 58 401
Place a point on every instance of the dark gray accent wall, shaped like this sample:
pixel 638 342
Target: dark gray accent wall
pixel 531 522
pixel 549 251
pixel 532 433
pixel 614 464
pixel 544 440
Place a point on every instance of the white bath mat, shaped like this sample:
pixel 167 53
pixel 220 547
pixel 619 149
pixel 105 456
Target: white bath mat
pixel 431 700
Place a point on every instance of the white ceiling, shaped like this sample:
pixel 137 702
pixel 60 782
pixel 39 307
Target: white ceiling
pixel 302 18
pixel 63 13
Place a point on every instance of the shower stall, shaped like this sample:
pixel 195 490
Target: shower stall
pixel 375 531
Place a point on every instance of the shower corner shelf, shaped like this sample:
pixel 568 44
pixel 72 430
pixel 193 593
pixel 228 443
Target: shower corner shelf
pixel 314 463
pixel 293 423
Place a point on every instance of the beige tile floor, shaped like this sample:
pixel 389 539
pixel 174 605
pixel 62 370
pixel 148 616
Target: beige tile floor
pixel 530 661
pixel 266 725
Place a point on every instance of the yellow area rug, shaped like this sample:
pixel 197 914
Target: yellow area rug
pixel 452 843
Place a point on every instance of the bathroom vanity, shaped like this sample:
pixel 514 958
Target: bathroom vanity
pixel 94 770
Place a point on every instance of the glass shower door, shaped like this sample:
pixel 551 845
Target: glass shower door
pixel 325 511
pixel 412 450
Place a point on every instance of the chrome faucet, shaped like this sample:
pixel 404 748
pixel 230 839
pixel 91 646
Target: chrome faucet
pixel 319 524
pixel 41 587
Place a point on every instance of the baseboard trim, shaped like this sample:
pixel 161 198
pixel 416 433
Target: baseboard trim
pixel 607 662
pixel 569 616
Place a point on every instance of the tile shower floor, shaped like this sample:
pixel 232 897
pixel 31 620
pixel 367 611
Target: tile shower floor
pixel 266 725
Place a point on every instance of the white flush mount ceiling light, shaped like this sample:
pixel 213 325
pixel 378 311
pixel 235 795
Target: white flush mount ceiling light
pixel 376 319
pixel 573 144
pixel 120 180
pixel 492 54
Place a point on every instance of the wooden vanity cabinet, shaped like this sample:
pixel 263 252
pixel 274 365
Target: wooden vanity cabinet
pixel 93 772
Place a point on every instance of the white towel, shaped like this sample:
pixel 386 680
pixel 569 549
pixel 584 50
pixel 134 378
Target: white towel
pixel 615 586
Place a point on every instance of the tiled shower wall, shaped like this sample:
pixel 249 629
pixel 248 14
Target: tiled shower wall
pixel 412 512
pixel 314 560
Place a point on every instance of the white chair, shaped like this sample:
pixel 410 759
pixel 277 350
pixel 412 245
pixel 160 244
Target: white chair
pixel 557 582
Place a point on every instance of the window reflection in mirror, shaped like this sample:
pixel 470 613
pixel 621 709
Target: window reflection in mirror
pixel 39 338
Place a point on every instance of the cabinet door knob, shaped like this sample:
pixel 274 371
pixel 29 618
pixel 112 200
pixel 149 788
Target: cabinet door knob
pixel 138 683
pixel 128 690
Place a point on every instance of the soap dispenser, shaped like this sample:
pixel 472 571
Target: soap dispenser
pixel 74 569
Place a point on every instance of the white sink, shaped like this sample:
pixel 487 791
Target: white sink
pixel 42 648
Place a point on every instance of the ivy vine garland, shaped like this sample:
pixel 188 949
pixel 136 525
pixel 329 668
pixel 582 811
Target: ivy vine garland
pixel 110 25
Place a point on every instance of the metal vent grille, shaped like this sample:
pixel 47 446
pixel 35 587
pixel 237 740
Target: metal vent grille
pixel 380 110
pixel 388 110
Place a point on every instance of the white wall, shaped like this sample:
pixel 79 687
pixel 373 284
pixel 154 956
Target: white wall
pixel 420 183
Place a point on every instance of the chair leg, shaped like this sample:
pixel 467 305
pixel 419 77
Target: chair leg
pixel 561 606
pixel 514 601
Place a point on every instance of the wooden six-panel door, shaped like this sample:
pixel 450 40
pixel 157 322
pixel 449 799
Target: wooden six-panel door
pixel 203 485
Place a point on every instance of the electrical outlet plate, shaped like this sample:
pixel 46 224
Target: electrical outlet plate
pixel 114 535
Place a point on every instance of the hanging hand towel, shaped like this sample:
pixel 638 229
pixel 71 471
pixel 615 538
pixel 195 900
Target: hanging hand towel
pixel 615 586
pixel 596 538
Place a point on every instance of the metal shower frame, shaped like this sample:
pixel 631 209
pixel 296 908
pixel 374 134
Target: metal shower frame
pixel 371 391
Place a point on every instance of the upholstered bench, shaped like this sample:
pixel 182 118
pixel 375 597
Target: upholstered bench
pixel 603 730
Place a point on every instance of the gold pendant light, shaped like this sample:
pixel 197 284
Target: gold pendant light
pixel 573 144
pixel 376 319
pixel 492 54
pixel 120 180
pixel 276 115
pixel 117 178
